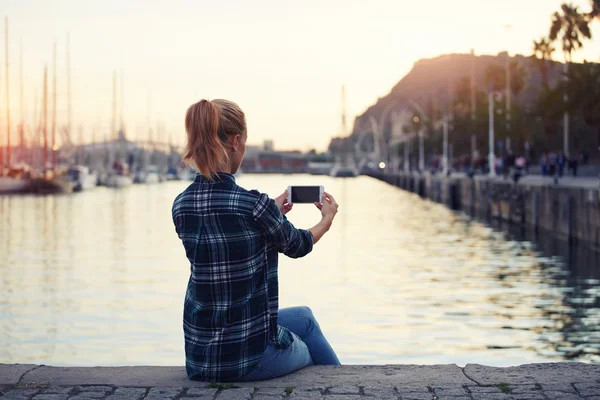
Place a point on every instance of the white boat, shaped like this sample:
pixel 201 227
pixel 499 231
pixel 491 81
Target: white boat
pixel 149 175
pixel 319 168
pixel 343 171
pixel 118 181
pixel 119 176
pixel 82 178
pixel 187 174
pixel 13 185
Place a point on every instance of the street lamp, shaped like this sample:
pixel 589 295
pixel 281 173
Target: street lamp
pixel 445 155
pixel 418 132
pixel 491 157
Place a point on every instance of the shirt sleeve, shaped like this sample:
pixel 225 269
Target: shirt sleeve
pixel 278 231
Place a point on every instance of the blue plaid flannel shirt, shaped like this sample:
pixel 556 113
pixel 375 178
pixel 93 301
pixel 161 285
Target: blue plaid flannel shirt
pixel 232 238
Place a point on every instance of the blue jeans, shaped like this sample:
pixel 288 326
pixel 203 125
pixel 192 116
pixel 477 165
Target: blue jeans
pixel 309 347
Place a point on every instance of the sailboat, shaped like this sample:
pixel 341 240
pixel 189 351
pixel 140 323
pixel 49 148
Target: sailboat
pixel 118 175
pixel 19 180
pixel 11 183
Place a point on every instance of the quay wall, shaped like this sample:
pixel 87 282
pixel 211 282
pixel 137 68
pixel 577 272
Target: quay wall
pixel 569 212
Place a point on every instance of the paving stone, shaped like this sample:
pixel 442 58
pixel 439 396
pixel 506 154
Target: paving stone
pixel 163 393
pixel 306 395
pixel 412 389
pixel 267 397
pixel 89 395
pixel 416 396
pixel 309 389
pixel 86 396
pixel 271 392
pixel 344 390
pixel 483 389
pixel 451 391
pixel 12 396
pixel 588 389
pixel 94 388
pixel 20 394
pixel 199 397
pixel 562 396
pixel 124 397
pixel 561 387
pixel 380 392
pixel 444 397
pixel 51 396
pixel 235 394
pixel 201 392
pixel 490 396
pixel 508 396
pixel 127 391
pixel 58 390
pixel 523 389
pixel 343 397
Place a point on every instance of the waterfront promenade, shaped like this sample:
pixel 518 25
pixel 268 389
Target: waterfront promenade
pixel 405 382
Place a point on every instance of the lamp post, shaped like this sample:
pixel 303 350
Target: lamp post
pixel 491 156
pixel 445 151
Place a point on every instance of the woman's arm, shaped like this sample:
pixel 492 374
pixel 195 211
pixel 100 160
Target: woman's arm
pixel 329 208
pixel 278 231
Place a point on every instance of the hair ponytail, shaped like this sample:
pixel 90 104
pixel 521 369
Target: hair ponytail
pixel 209 124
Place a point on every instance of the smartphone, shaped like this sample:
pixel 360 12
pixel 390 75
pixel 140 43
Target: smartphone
pixel 305 194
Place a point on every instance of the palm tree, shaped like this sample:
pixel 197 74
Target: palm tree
pixel 583 87
pixel 595 13
pixel 572 26
pixel 542 53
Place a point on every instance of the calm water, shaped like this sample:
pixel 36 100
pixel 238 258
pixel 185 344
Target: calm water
pixel 98 278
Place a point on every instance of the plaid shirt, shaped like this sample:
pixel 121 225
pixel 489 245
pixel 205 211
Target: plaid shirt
pixel 232 238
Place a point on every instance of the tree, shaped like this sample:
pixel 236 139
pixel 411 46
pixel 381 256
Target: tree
pixel 595 13
pixel 572 27
pixel 495 77
pixel 542 55
pixel 583 89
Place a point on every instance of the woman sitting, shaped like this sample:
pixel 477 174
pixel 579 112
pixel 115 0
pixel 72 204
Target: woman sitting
pixel 233 327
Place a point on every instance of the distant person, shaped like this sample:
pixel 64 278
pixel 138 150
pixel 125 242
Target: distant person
pixel 520 163
pixel 552 164
pixel 233 327
pixel 561 161
pixel 573 164
pixel 544 164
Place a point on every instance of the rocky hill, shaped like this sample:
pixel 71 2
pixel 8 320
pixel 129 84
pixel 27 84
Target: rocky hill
pixel 438 77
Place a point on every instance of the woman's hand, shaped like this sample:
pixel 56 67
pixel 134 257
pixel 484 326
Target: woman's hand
pixel 328 206
pixel 282 203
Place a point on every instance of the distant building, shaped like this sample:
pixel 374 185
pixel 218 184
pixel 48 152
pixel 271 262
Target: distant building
pixel 268 145
pixel 269 161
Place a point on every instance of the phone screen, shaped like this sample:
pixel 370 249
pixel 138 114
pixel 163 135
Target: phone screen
pixel 305 194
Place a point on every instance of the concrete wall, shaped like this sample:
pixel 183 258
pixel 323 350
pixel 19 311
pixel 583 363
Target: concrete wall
pixel 572 213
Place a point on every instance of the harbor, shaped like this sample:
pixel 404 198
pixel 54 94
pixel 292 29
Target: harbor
pixel 449 288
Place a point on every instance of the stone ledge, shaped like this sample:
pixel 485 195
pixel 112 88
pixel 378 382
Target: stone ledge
pixel 316 376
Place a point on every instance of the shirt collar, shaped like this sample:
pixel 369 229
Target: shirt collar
pixel 218 177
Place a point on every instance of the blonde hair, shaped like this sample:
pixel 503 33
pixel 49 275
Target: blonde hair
pixel 209 125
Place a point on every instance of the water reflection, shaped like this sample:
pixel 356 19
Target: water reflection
pixel 98 279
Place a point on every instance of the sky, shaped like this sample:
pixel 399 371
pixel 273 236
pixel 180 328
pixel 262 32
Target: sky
pixel 283 62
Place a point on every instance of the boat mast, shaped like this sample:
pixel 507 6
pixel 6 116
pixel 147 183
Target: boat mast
pixel 45 120
pixel 54 146
pixel 69 126
pixel 7 95
pixel 22 123
pixel 122 140
pixel 113 129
